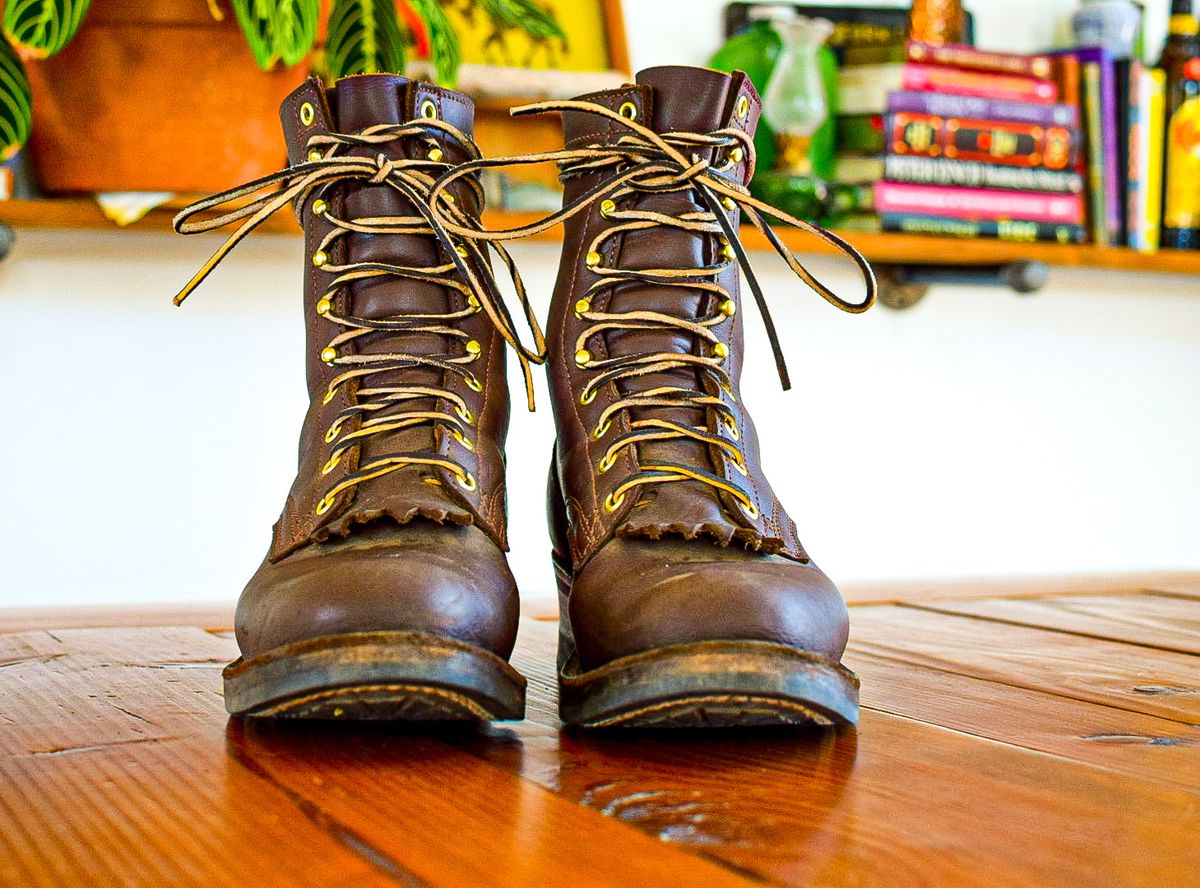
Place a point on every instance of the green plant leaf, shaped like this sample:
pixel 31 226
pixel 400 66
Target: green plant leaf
pixel 294 27
pixel 40 28
pixel 364 37
pixel 445 51
pixel 256 19
pixel 16 117
pixel 528 15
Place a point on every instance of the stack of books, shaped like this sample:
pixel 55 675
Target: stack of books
pixel 969 143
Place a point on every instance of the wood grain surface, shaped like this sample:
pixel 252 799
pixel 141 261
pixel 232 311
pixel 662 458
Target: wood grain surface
pixel 1024 741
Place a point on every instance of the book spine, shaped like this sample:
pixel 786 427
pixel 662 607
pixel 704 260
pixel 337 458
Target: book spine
pixel 985 141
pixel 971 59
pixel 1003 87
pixel 1009 229
pixel 859 133
pixel 977 204
pixel 949 105
pixel 972 174
pixel 1095 150
pixel 1110 128
pixel 1155 125
pixel 1135 150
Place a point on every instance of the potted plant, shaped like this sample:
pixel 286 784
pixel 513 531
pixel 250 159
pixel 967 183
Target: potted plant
pixel 181 95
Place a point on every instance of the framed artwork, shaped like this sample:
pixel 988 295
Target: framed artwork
pixel 592 35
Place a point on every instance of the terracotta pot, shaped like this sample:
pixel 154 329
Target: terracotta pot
pixel 155 96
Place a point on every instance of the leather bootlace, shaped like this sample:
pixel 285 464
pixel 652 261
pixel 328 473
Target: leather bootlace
pixel 643 162
pixel 385 406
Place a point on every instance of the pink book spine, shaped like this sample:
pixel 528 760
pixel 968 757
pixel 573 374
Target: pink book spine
pixel 977 203
pixel 998 87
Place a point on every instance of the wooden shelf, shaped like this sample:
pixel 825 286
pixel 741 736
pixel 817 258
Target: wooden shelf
pixel 880 248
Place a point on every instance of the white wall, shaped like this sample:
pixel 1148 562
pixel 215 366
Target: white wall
pixel 147 449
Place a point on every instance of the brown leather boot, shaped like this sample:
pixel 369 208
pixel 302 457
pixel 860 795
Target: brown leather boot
pixel 385 593
pixel 686 596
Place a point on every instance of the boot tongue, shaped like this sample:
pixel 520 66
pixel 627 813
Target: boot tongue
pixel 361 102
pixel 369 99
pixel 687 99
pixel 680 100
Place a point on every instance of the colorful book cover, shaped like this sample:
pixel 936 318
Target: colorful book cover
pixel 950 105
pixel 1097 181
pixel 971 174
pixel 1156 111
pixel 978 203
pixel 1106 110
pixel 985 141
pixel 1004 229
pixel 971 59
pixel 1006 87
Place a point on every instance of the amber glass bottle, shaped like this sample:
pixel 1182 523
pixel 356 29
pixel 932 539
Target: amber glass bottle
pixel 1181 144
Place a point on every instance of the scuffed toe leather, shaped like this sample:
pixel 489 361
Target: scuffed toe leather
pixel 637 595
pixel 446 580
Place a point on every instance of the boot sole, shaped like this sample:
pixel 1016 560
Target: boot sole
pixel 376 676
pixel 715 684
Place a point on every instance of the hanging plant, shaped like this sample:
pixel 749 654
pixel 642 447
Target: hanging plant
pixel 365 37
pixel 15 103
pixel 37 29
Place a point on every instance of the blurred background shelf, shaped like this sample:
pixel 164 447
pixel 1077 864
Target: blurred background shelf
pixel 897 249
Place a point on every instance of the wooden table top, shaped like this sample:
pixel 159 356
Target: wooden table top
pixel 1034 733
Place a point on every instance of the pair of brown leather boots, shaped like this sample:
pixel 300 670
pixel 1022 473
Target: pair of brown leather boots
pixel 686 597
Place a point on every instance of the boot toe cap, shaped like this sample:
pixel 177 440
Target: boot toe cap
pixel 637 595
pixel 448 581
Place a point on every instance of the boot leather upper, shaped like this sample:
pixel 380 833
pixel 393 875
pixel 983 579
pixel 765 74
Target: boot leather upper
pixel 412 549
pixel 680 561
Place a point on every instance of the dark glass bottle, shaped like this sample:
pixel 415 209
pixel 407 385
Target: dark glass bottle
pixel 1181 143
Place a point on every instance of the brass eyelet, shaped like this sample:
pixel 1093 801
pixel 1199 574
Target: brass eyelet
pixel 307 113
pixel 324 505
pixel 739 464
pixel 473 347
pixel 449 198
pixel 436 154
pixel 429 110
pixel 462 250
pixel 611 504
pixel 323 306
pixel 462 439
pixel 749 510
pixel 731 427
pixel 329 354
pixel 473 383
pixel 583 357
pixel 314 155
pixel 587 396
pixel 320 258
pixel 473 303
pixel 728 308
pixel 582 306
pixel 728 253
pixel 333 431
pixel 736 154
pixel 720 351
pixel 319 207
pixel 728 203
pixel 602 430
pixel 628 110
pixel 329 396
pixel 331 465
pixel 593 259
pixel 607 208
pixel 464 414
pixel 743 107
pixel 607 463
pixel 466 481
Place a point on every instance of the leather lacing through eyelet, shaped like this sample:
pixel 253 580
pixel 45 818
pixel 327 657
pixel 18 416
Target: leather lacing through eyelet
pixel 380 408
